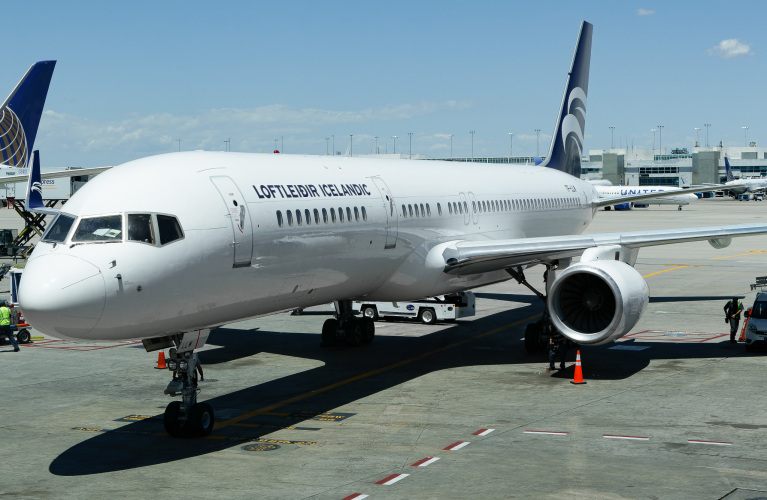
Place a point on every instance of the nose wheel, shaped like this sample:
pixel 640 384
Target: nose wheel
pixel 186 418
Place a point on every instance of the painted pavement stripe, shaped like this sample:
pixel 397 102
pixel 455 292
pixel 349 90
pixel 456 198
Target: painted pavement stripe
pixel 483 432
pixel 389 480
pixel 457 445
pixel 718 443
pixel 355 496
pixel 636 438
pixel 552 433
pixel 424 462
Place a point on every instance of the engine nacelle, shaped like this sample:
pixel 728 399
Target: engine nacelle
pixel 598 301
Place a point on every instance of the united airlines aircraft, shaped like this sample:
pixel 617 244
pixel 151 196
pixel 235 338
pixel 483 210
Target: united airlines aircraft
pixel 217 237
pixel 617 193
pixel 740 186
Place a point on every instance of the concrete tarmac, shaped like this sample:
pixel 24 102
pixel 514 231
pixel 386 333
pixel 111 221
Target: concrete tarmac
pixel 450 411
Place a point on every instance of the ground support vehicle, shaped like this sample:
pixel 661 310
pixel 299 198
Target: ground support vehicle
pixel 428 311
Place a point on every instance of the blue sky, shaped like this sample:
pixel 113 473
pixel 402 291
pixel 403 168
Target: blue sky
pixel 133 78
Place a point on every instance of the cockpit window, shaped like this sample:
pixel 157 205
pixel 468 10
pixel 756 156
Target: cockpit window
pixel 170 230
pixel 140 228
pixel 58 231
pixel 103 228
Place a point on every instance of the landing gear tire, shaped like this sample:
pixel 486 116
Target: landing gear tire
pixel 427 316
pixel 200 421
pixel 330 332
pixel 23 336
pixel 171 422
pixel 353 333
pixel 370 312
pixel 368 327
pixel 532 338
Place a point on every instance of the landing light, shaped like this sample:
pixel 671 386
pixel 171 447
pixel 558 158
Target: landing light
pixel 172 365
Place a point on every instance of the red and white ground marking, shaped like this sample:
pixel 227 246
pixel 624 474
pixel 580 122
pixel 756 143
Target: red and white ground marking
pixel 424 462
pixel 456 446
pixel 551 433
pixel 635 438
pixel 483 432
pixel 355 496
pixel 389 480
pixel 717 443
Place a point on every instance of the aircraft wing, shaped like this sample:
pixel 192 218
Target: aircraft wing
pixel 53 175
pixel 472 257
pixel 612 200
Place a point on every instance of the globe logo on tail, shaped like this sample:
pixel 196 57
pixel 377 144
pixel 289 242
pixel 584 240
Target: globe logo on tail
pixel 13 141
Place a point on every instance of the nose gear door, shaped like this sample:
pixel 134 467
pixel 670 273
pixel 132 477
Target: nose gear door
pixel 239 217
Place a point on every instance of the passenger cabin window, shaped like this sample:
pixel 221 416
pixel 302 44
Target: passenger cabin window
pixel 348 214
pixel 290 217
pixel 170 229
pixel 103 228
pixel 325 216
pixel 58 231
pixel 140 228
pixel 279 218
pixel 340 214
pixel 364 213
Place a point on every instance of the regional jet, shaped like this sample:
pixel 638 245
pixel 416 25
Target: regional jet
pixel 221 236
pixel 740 186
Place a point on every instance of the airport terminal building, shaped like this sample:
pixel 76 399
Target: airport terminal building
pixel 645 167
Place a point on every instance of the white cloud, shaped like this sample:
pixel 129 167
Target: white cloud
pixel 730 48
pixel 645 12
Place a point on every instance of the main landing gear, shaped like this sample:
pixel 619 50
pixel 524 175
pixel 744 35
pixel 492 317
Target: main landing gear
pixel 346 328
pixel 187 418
pixel 536 334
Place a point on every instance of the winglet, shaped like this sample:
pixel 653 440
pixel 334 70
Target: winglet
pixel 21 112
pixel 567 143
pixel 34 199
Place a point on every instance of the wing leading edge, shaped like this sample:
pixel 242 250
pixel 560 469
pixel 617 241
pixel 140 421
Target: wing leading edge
pixel 469 257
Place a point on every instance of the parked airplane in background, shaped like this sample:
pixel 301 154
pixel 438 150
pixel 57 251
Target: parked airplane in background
pixel 250 234
pixel 740 186
pixel 19 120
pixel 617 193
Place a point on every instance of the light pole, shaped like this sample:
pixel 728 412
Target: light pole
pixel 653 142
pixel 334 144
pixel 376 144
pixel 707 125
pixel 275 144
pixel 395 143
pixel 511 145
pixel 451 145
pixel 351 146
pixel 411 144
pixel 745 136
pixel 472 144
pixel 326 145
pixel 228 143
pixel 697 138
pixel 660 138
pixel 612 137
pixel 179 145
pixel 537 142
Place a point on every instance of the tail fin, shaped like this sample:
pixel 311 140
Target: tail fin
pixel 567 143
pixel 21 112
pixel 34 199
pixel 728 170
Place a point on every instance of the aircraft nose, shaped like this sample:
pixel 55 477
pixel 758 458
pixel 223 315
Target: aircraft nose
pixel 62 295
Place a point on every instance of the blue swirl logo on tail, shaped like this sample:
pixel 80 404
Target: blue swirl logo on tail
pixel 13 141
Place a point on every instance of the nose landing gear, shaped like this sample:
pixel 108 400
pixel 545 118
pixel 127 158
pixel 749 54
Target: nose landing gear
pixel 187 418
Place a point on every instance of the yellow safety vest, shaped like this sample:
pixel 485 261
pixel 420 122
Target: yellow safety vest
pixel 5 316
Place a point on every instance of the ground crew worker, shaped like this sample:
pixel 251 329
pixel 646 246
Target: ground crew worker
pixel 5 324
pixel 732 310
pixel 557 345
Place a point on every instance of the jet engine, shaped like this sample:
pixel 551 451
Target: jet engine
pixel 598 301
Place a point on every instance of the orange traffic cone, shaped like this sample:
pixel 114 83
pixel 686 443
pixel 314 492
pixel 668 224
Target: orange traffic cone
pixel 161 361
pixel 745 323
pixel 578 379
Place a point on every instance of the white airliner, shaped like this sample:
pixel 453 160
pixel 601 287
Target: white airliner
pixel 617 193
pixel 740 186
pixel 217 237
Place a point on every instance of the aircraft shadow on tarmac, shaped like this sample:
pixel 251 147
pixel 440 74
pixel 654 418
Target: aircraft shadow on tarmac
pixel 354 373
pixel 691 299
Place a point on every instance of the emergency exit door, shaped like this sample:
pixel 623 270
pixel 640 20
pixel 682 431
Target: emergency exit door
pixel 239 218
